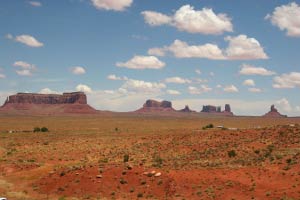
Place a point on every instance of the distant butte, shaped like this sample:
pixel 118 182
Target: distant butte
pixel 186 109
pixel 154 106
pixel 32 103
pixel 273 113
pixel 217 110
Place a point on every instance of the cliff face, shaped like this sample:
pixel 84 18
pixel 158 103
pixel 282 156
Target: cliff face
pixel 186 109
pixel 47 104
pixel 31 98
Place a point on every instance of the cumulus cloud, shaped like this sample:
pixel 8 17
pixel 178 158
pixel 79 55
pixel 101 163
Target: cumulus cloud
pixel 287 17
pixel 199 90
pixel 240 48
pixel 253 70
pixel 116 5
pixel 177 79
pixel 249 82
pixel 231 89
pixel 2 76
pixel 48 91
pixel 78 70
pixel 155 18
pixel 244 48
pixel 142 62
pixel 9 36
pixel 173 92
pixel 187 19
pixel 181 49
pixel 140 86
pixel 284 104
pixel 84 88
pixel 290 80
pixel 24 68
pixel 255 90
pixel 35 3
pixel 27 40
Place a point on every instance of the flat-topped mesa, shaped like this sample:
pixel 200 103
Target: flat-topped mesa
pixel 33 98
pixel 273 113
pixel 153 105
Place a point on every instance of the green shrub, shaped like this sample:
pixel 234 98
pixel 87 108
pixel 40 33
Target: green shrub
pixel 44 129
pixel 231 153
pixel 36 129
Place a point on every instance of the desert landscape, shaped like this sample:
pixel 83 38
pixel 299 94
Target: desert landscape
pixel 148 154
pixel 149 100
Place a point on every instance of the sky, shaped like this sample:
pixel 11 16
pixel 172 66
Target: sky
pixel 123 52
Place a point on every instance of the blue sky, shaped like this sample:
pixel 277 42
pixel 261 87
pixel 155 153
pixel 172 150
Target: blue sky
pixel 122 52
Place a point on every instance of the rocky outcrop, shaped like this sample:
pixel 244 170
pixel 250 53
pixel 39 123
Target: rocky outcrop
pixel 217 110
pixel 50 104
pixel 153 105
pixel 273 113
pixel 32 98
pixel 186 109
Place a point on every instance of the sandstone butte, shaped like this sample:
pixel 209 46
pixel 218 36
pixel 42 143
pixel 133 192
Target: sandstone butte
pixel 273 113
pixel 50 104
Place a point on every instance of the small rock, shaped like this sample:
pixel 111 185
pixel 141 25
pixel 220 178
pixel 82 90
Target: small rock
pixel 157 174
pixel 99 176
pixel 153 172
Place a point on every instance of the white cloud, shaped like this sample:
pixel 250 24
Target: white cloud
pixel 24 68
pixel 156 52
pixel 155 18
pixel 239 48
pixel 244 48
pixel 35 3
pixel 116 78
pixel 253 70
pixel 198 71
pixel 2 76
pixel 48 91
pixel 249 82
pixel 297 108
pixel 188 19
pixel 287 17
pixel 142 62
pixel 211 73
pixel 181 49
pixel 173 92
pixel 177 79
pixel 290 80
pixel 231 89
pixel 255 90
pixel 29 41
pixel 200 90
pixel 78 70
pixel 284 104
pixel 140 86
pixel 116 5
pixel 84 88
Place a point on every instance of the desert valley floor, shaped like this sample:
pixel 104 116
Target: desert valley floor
pixel 134 156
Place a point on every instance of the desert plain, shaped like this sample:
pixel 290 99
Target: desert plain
pixel 144 156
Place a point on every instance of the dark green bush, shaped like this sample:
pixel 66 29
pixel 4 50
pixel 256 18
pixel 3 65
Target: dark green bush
pixel 44 129
pixel 231 153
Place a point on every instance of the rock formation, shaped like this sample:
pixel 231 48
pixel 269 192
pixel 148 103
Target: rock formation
pixel 32 98
pixel 31 103
pixel 273 113
pixel 217 110
pixel 152 105
pixel 186 109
